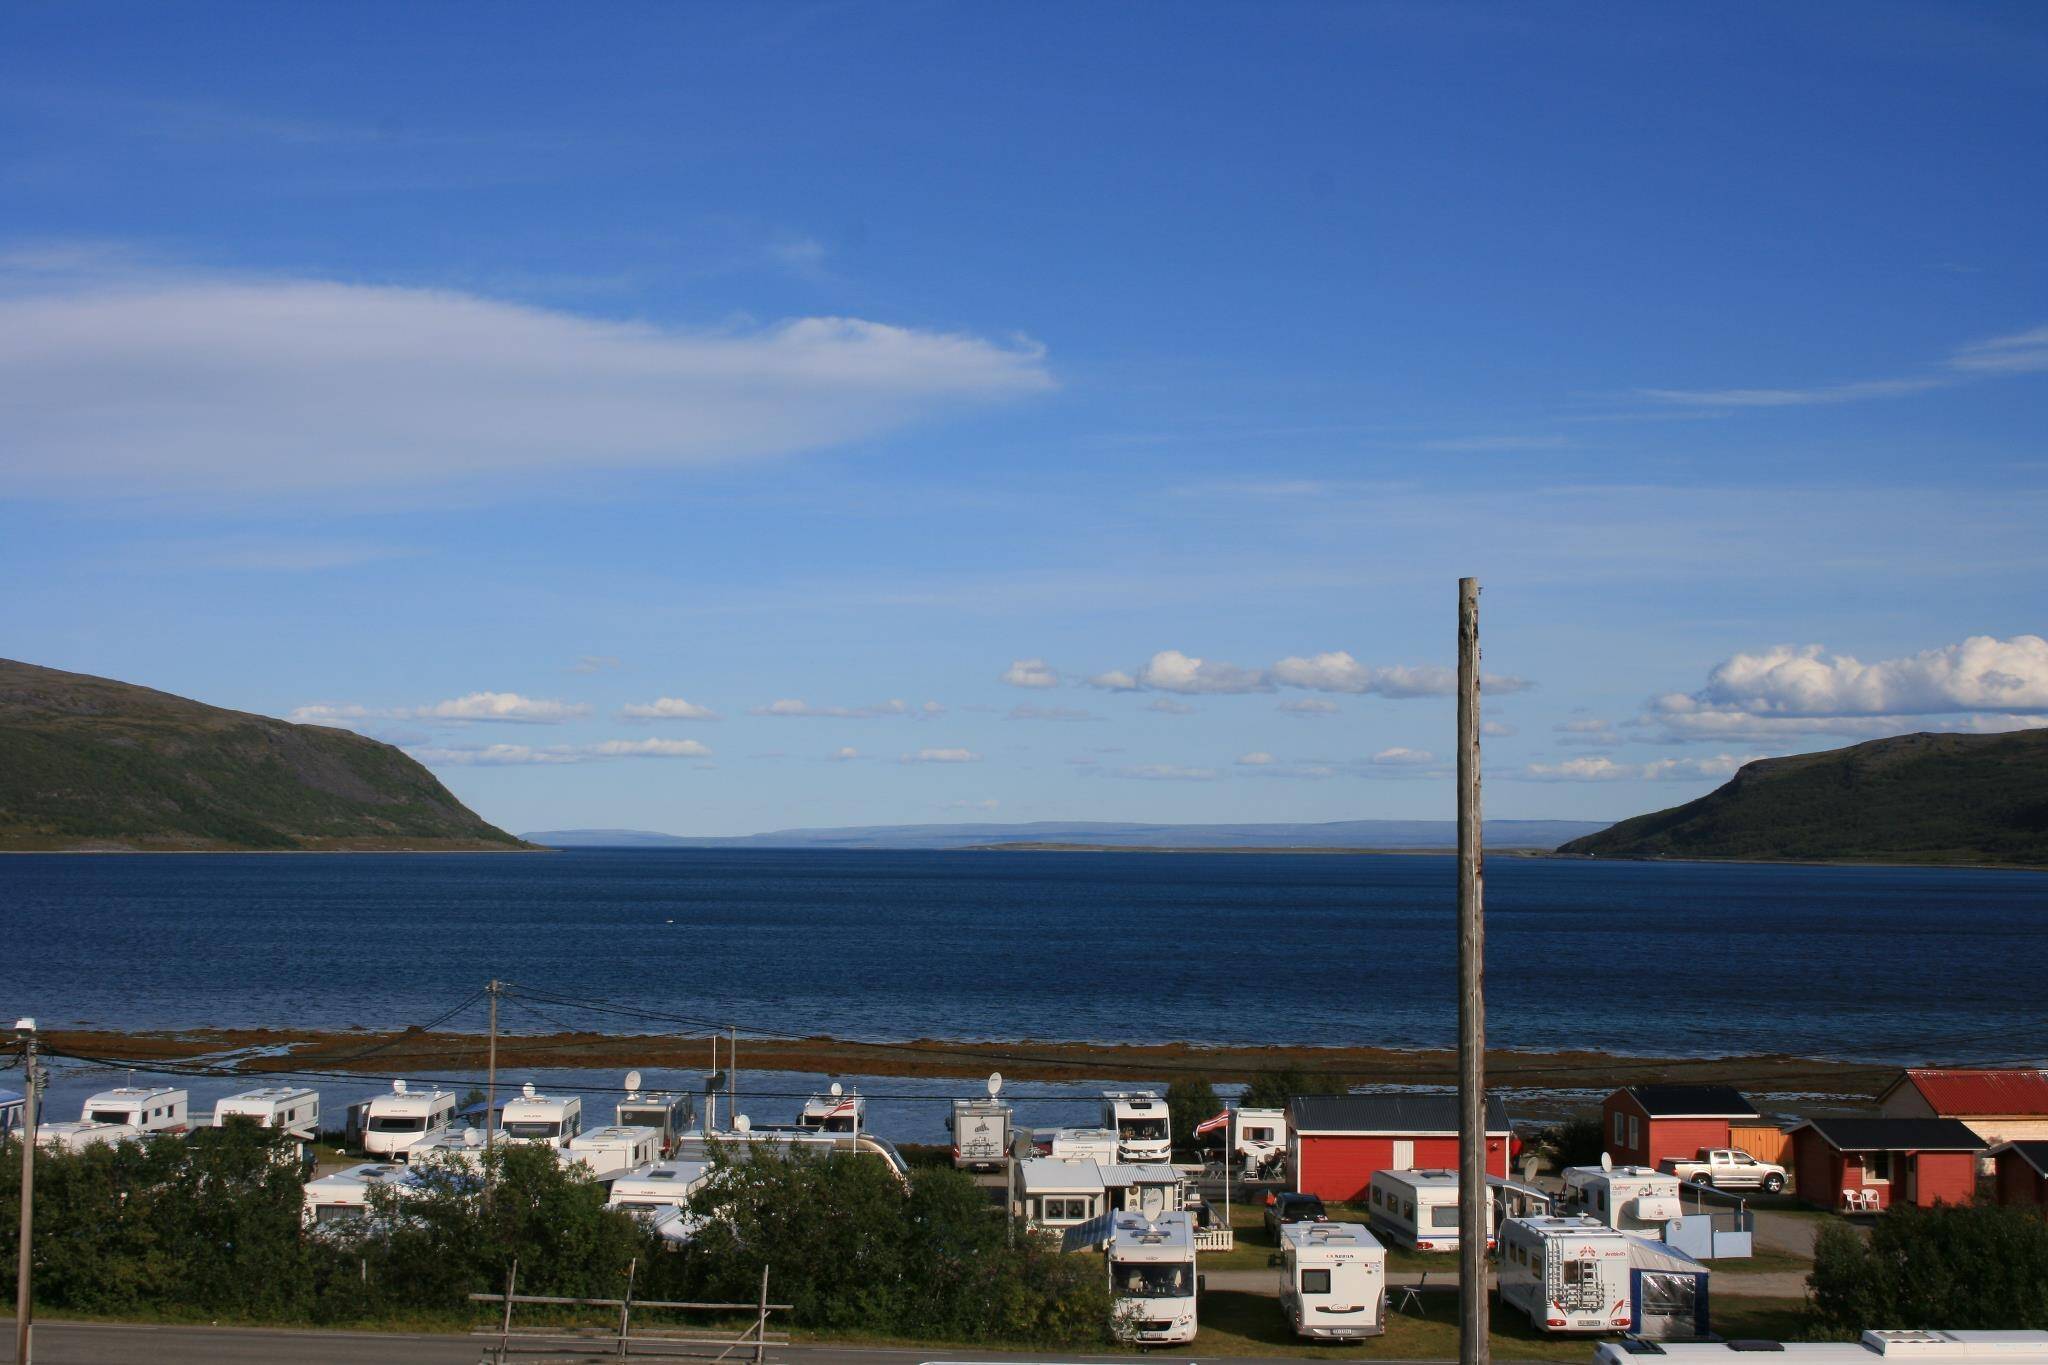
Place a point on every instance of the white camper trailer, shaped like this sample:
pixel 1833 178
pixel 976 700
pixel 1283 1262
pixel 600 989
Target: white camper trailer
pixel 150 1109
pixel 1258 1138
pixel 667 1112
pixel 981 1133
pixel 659 1185
pixel 1420 1208
pixel 835 1112
pixel 1152 1276
pixel 76 1136
pixel 1080 1144
pixel 1333 1280
pixel 1139 1120
pixel 344 1197
pixel 1922 1347
pixel 1579 1275
pixel 1636 1199
pixel 291 1108
pixel 613 1151
pixel 396 1122
pixel 1059 1192
pixel 544 1120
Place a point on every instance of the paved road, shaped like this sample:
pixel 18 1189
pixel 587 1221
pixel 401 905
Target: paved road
pixel 74 1343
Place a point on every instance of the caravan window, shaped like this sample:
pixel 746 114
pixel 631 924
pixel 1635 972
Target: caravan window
pixel 1063 1210
pixel 1259 1134
pixel 384 1124
pixel 1379 1197
pixel 1408 1210
pixel 1315 1281
pixel 534 1128
pixel 1444 1216
pixel 111 1116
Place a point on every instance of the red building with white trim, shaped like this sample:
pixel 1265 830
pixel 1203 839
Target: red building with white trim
pixel 1642 1125
pixel 2020 1173
pixel 1336 1142
pixel 1869 1165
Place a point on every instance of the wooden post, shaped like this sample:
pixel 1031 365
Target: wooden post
pixel 505 1331
pixel 1474 1305
pixel 761 1323
pixel 626 1304
pixel 24 1294
pixel 491 1092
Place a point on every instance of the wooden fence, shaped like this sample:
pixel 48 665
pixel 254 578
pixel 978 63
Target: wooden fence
pixel 1765 1144
pixel 572 1343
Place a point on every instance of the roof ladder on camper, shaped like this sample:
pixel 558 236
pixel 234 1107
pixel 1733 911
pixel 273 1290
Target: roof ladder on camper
pixel 1571 1282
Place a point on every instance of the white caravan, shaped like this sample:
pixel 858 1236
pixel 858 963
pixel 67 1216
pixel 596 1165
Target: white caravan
pixel 1420 1208
pixel 1150 1190
pixel 291 1108
pixel 1636 1199
pixel 344 1197
pixel 1579 1275
pixel 660 1185
pixel 1152 1276
pixel 837 1112
pixel 1059 1192
pixel 613 1151
pixel 396 1122
pixel 981 1133
pixel 1258 1137
pixel 1333 1280
pixel 788 1141
pixel 76 1137
pixel 544 1120
pixel 667 1112
pixel 1081 1144
pixel 153 1109
pixel 1139 1119
pixel 1925 1347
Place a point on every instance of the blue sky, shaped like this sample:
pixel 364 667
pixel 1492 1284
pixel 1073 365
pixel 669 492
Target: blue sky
pixel 798 374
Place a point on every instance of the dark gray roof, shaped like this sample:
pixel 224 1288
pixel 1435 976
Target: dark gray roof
pixel 1396 1113
pixel 1895 1135
pixel 2033 1151
pixel 1693 1101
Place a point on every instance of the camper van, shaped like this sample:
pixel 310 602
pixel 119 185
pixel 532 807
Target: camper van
pixel 659 1185
pixel 1579 1275
pixel 1079 1144
pixel 1152 1276
pixel 544 1120
pixel 1333 1280
pixel 613 1151
pixel 981 1134
pixel 1139 1120
pixel 344 1197
pixel 155 1109
pixel 1628 1198
pixel 668 1113
pixel 1258 1137
pixel 835 1112
pixel 295 1110
pixel 1924 1347
pixel 1420 1208
pixel 396 1121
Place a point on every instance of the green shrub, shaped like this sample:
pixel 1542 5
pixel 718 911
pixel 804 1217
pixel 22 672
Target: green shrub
pixel 1978 1266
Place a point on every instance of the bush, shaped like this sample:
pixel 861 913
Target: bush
pixel 1272 1089
pixel 1189 1102
pixel 1578 1141
pixel 1978 1266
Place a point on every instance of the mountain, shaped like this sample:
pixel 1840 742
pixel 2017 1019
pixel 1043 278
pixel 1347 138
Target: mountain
pixel 89 764
pixel 1389 834
pixel 1911 798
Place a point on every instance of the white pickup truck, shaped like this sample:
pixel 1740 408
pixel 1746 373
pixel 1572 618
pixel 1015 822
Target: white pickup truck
pixel 1729 1168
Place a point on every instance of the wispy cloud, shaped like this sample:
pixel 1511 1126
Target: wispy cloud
pixel 2018 353
pixel 519 755
pixel 1028 712
pixel 1600 768
pixel 490 707
pixel 595 663
pixel 1170 670
pixel 1155 772
pixel 797 708
pixel 1030 673
pixel 666 708
pixel 941 756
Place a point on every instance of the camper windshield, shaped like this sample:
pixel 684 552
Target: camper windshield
pixel 1142 1130
pixel 383 1124
pixel 533 1129
pixel 112 1116
pixel 1154 1280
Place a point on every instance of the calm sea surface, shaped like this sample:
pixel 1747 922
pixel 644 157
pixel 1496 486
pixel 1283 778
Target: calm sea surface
pixel 1662 959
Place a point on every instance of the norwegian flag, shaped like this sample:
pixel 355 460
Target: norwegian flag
pixel 844 1106
pixel 1207 1126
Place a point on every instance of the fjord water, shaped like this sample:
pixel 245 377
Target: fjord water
pixel 1665 959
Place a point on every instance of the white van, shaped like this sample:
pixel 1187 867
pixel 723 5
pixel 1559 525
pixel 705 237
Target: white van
pixel 667 1112
pixel 613 1151
pixel 1152 1275
pixel 1579 1275
pixel 1258 1137
pixel 1139 1119
pixel 660 1185
pixel 1082 1144
pixel 396 1121
pixel 544 1120
pixel 1420 1208
pixel 981 1133
pixel 291 1108
pixel 1333 1280
pixel 148 1109
pixel 836 1112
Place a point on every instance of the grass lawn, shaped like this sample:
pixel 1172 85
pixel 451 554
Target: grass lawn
pixel 1762 1263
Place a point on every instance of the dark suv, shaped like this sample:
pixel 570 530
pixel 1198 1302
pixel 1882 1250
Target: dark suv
pixel 1294 1208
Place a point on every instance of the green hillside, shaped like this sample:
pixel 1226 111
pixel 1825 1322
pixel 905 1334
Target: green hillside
pixel 1911 798
pixel 89 763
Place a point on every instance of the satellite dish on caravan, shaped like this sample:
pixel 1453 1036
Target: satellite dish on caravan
pixel 633 1082
pixel 527 1090
pixel 836 1090
pixel 472 1137
pixel 1606 1162
pixel 398 1086
pixel 995 1084
pixel 742 1124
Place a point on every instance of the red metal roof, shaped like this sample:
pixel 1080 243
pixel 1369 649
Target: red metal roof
pixel 1957 1094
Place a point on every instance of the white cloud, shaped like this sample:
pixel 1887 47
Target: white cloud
pixel 511 755
pixel 942 756
pixel 647 748
pixel 1258 759
pixel 1742 727
pixel 263 385
pixel 1030 673
pixel 1163 772
pixel 1982 673
pixel 1050 713
pixel 1499 729
pixel 930 710
pixel 1600 768
pixel 1337 671
pixel 1172 671
pixel 796 707
pixel 1403 757
pixel 667 708
pixel 594 663
pixel 507 707
pixel 1116 680
pixel 2019 353
pixel 1167 706
pixel 845 754
pixel 1311 708
pixel 1590 769
pixel 1586 730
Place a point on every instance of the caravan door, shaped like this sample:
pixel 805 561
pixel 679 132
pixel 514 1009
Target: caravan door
pixel 1404 1154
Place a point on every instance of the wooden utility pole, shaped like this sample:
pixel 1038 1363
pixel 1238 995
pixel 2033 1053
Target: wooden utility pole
pixel 24 1295
pixel 491 1074
pixel 1474 1302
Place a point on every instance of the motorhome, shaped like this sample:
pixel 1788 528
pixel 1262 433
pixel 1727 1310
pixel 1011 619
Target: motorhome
pixel 667 1112
pixel 1150 1190
pixel 1636 1199
pixel 396 1122
pixel 981 1134
pixel 1059 1192
pixel 612 1151
pixel 835 1112
pixel 1420 1208
pixel 291 1108
pixel 1911 1347
pixel 1080 1144
pixel 151 1109
pixel 1139 1120
pixel 701 1146
pixel 345 1196
pixel 545 1120
pixel 1258 1138
pixel 1333 1280
pixel 1152 1277
pixel 1576 1274
pixel 658 1185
